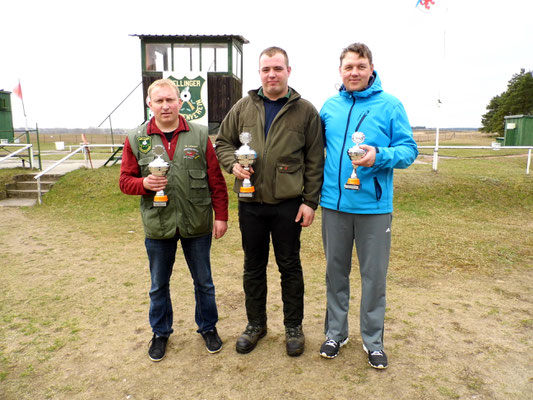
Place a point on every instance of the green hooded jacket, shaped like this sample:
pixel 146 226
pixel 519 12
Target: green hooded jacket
pixel 290 160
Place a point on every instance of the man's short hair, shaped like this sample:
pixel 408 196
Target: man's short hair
pixel 361 49
pixel 162 82
pixel 272 51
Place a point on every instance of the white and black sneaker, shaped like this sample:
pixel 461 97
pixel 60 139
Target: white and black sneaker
pixel 377 358
pixel 330 348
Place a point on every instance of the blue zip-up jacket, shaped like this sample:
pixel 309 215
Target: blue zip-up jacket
pixel 383 120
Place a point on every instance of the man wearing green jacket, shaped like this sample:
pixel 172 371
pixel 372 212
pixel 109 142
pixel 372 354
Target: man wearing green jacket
pixel 286 135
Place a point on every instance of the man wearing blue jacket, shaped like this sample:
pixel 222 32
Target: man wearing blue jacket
pixel 362 212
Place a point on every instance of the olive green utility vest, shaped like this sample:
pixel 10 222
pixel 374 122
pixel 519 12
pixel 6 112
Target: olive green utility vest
pixel 188 208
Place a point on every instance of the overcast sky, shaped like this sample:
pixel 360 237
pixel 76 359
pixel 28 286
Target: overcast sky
pixel 76 61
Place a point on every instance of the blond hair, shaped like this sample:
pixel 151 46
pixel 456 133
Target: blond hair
pixel 162 82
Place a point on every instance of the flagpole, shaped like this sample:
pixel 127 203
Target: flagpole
pixel 439 102
pixel 18 92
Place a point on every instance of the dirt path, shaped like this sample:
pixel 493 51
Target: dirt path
pixel 73 312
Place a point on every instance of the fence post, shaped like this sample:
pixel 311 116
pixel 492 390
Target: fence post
pixel 528 161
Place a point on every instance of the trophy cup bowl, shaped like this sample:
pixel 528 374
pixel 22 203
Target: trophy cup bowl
pixel 246 156
pixel 159 167
pixel 355 153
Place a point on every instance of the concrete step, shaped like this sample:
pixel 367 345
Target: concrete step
pixel 17 202
pixel 25 193
pixel 31 177
pixel 25 186
pixel 28 185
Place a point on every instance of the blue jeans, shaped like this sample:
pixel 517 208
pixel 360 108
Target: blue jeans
pixel 161 255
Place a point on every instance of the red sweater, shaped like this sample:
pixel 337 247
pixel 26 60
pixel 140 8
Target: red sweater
pixel 131 181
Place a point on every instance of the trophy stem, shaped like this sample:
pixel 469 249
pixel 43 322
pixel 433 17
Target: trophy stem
pixel 353 182
pixel 246 156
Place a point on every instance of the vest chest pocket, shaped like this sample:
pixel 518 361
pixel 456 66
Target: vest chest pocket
pixel 198 186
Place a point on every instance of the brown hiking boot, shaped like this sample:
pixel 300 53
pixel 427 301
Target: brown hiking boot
pixel 249 338
pixel 294 340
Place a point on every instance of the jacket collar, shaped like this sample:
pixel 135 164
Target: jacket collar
pixel 254 94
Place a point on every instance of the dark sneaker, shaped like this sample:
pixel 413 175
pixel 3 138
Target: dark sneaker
pixel 294 340
pixel 249 338
pixel 213 343
pixel 377 358
pixel 330 348
pixel 157 348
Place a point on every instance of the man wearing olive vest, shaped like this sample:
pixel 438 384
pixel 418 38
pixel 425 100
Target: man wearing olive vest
pixel 195 187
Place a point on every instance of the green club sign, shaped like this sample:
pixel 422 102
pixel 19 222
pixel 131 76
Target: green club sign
pixel 193 107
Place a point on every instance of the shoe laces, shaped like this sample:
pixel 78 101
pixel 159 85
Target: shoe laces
pixel 332 343
pixel 377 353
pixel 251 329
pixel 293 332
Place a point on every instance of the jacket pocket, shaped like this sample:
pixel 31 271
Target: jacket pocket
pixel 157 221
pixel 198 186
pixel 288 182
pixel 377 188
pixel 201 222
pixel 201 219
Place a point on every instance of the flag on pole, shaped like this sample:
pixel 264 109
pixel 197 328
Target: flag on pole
pixel 425 5
pixel 18 91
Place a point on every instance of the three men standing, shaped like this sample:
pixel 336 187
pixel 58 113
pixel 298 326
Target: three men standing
pixel 289 175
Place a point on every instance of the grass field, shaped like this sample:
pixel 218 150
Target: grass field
pixel 74 301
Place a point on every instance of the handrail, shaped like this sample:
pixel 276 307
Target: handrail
pixel 494 147
pixel 51 167
pixel 24 147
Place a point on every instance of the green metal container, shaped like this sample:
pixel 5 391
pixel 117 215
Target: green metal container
pixel 6 118
pixel 518 130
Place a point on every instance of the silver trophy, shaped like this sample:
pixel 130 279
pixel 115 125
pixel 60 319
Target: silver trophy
pixel 355 153
pixel 246 156
pixel 159 167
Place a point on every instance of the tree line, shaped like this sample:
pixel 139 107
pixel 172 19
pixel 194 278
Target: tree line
pixel 516 100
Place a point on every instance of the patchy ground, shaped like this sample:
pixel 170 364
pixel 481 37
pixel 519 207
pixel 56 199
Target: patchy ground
pixel 73 314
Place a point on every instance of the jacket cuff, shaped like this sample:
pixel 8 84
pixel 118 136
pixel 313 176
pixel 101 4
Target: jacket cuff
pixel 311 204
pixel 379 158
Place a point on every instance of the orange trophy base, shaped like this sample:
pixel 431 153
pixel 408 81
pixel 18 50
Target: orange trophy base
pixel 247 191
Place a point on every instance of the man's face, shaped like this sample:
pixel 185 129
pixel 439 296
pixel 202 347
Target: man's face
pixel 274 75
pixel 165 105
pixel 355 72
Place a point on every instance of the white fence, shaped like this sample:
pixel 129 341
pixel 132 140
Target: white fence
pixel 495 146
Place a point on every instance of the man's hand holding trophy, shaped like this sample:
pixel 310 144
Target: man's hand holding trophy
pixel 355 153
pixel 159 167
pixel 246 156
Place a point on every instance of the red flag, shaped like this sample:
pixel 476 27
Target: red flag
pixel 425 5
pixel 18 91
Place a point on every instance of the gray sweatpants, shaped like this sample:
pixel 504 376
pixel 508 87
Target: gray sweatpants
pixel 372 236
